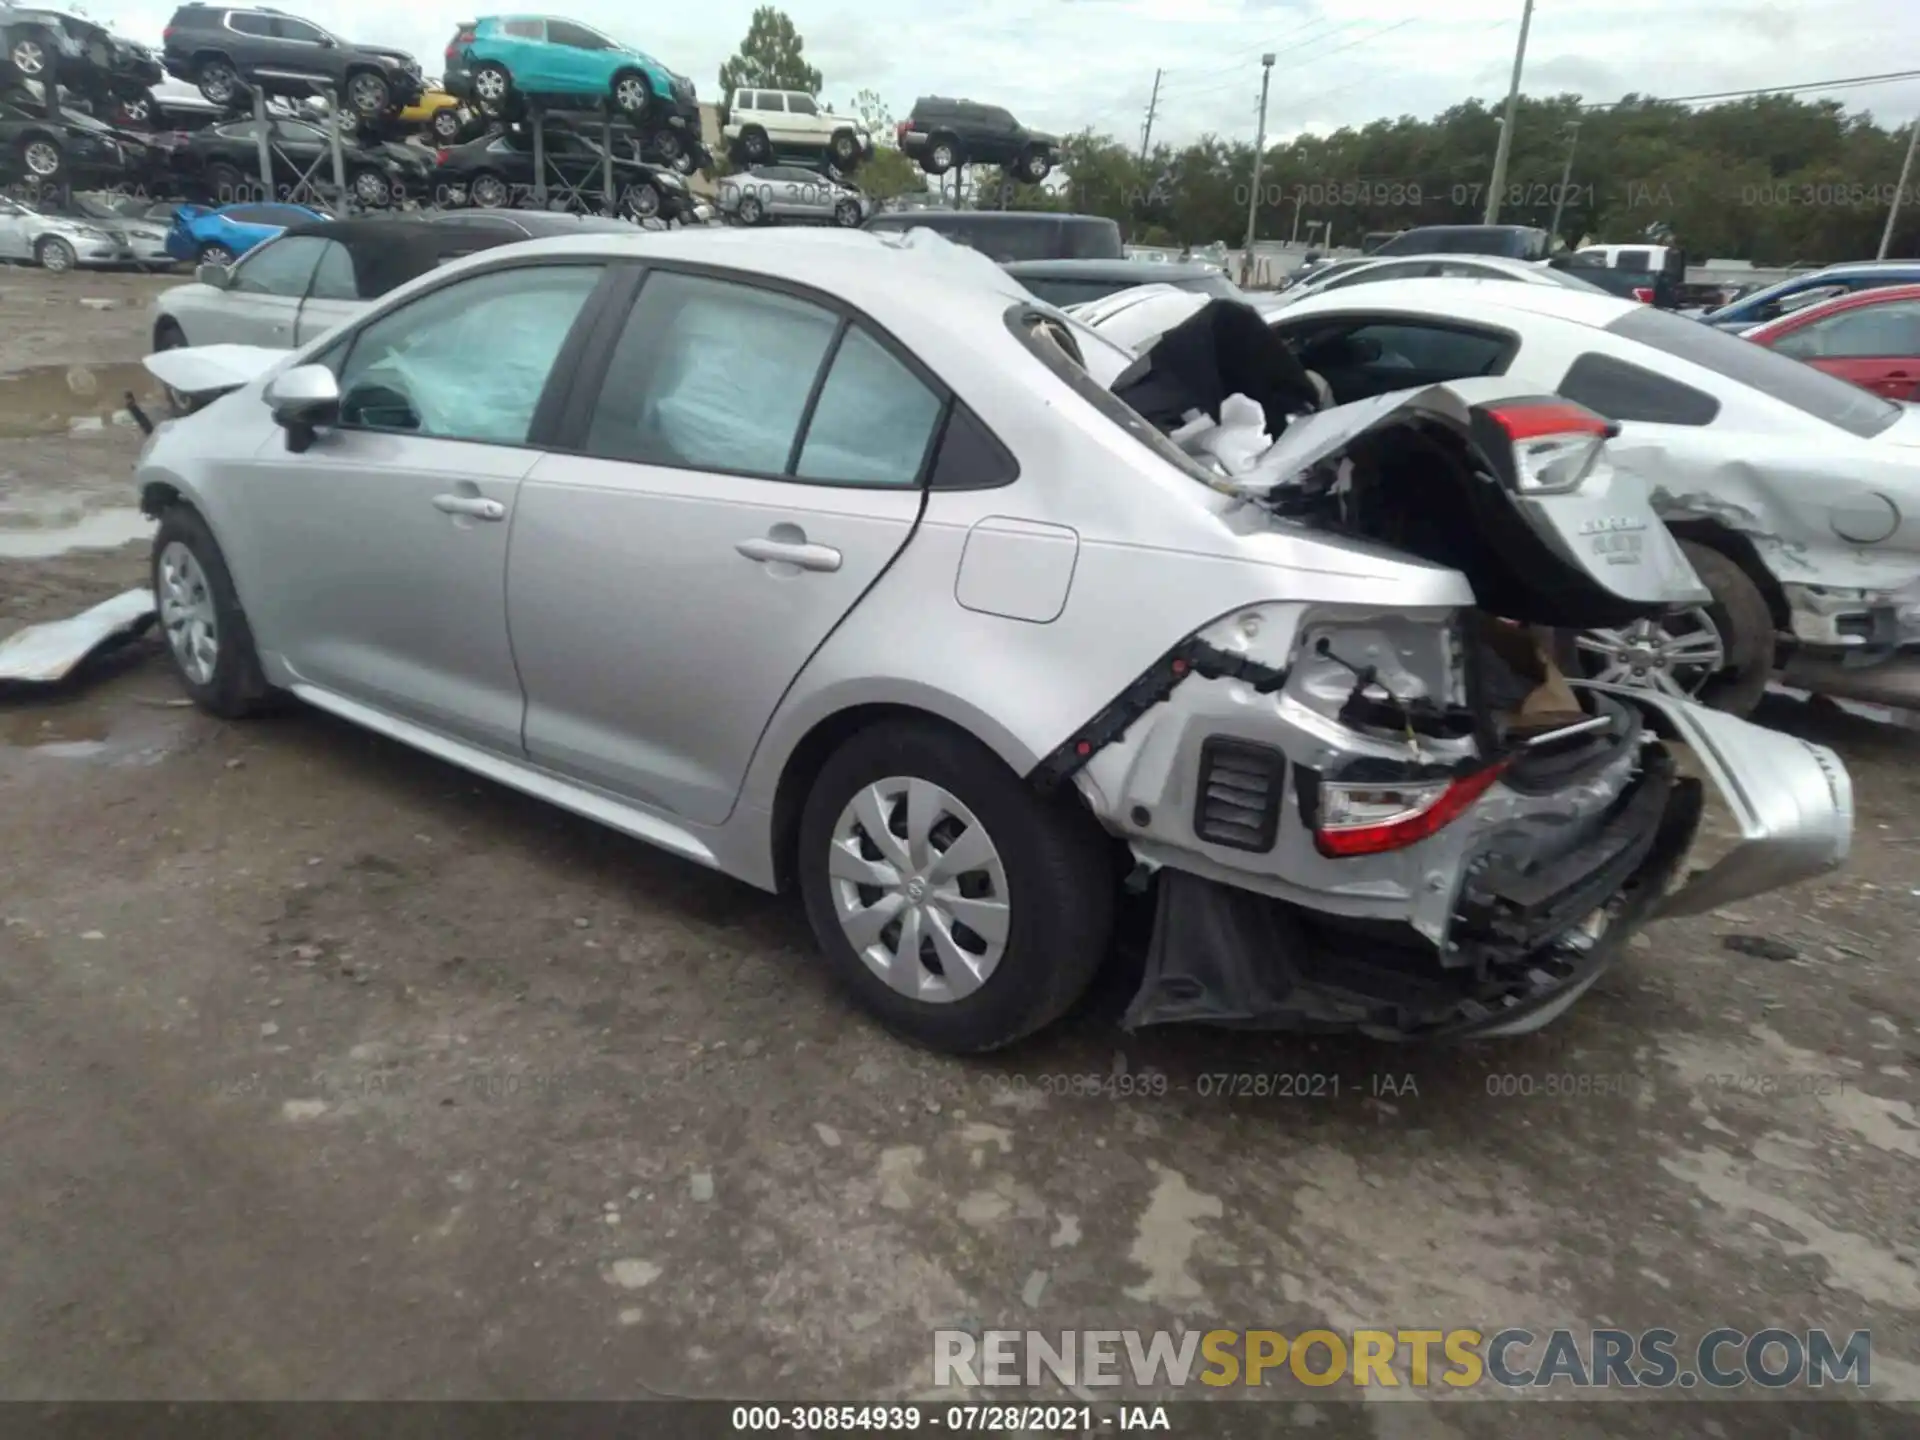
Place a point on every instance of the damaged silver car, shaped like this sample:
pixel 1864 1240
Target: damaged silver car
pixel 1795 495
pixel 839 563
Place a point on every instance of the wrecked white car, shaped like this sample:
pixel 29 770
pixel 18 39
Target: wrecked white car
pixel 1795 495
pixel 830 565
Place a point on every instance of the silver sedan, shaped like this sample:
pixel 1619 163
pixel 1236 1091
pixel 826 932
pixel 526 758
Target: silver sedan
pixel 836 562
pixel 58 243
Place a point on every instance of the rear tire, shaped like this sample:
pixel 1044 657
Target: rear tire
pixel 641 202
pixel 1034 167
pixel 1740 612
pixel 446 125
pixel 755 146
pixel 943 153
pixel 1039 939
pixel 847 213
pixel 218 82
pixel 844 149
pixel 488 192
pixel 197 602
pixel 369 95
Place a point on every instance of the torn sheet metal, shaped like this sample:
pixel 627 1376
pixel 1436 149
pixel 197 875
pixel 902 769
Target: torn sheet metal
pixel 202 371
pixel 48 653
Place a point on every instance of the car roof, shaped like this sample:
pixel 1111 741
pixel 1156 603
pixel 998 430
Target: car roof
pixel 1143 271
pixel 387 251
pixel 934 214
pixel 1492 262
pixel 1464 299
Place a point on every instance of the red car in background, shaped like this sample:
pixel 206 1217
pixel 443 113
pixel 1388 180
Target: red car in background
pixel 1871 338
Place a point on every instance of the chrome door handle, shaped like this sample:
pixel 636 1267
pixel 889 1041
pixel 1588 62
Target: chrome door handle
pixel 807 557
pixel 477 506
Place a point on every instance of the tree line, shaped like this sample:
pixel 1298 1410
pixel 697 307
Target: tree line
pixel 1774 179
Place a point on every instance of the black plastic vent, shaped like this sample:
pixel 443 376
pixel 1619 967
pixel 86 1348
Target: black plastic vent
pixel 1238 800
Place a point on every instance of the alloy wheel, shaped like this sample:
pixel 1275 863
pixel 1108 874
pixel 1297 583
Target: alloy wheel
pixel 920 889
pixel 368 95
pixel 43 159
pixel 488 193
pixel 631 94
pixel 218 84
pixel 490 85
pixel 369 189
pixel 216 255
pixel 187 614
pixel 1676 656
pixel 56 257
pixel 29 59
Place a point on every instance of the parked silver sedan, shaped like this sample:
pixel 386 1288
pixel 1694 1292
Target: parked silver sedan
pixel 794 193
pixel 57 242
pixel 833 560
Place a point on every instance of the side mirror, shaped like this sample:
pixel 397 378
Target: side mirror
pixel 218 276
pixel 303 399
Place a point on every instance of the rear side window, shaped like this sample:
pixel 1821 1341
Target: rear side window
pixel 1810 391
pixel 333 279
pixel 1620 390
pixel 525 29
pixel 247 24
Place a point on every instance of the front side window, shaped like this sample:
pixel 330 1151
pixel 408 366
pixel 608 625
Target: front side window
pixel 290 29
pixel 279 267
pixel 414 369
pixel 562 32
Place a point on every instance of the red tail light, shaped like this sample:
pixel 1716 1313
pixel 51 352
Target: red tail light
pixel 166 34
pixel 1376 817
pixel 1643 294
pixel 1531 419
pixel 440 156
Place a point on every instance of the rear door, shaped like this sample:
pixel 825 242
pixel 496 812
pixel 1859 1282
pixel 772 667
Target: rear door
pixel 1365 355
pixel 749 464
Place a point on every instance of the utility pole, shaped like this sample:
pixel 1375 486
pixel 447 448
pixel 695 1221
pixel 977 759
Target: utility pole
pixel 1893 213
pixel 1501 150
pixel 1566 178
pixel 1259 153
pixel 1153 104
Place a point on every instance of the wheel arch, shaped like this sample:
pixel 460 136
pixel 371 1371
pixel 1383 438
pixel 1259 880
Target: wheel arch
pixel 785 778
pixel 1743 552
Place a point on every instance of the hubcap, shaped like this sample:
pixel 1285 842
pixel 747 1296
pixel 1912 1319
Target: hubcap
pixel 28 58
pixel 491 84
pixel 489 193
pixel 370 188
pixel 215 255
pixel 42 159
pixel 186 613
pixel 56 257
pixel 631 94
pixel 942 156
pixel 920 889
pixel 1676 656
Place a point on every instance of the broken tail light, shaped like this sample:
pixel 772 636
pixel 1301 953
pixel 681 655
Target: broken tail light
pixel 1374 817
pixel 1554 443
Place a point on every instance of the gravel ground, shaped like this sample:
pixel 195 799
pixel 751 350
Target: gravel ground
pixel 329 1071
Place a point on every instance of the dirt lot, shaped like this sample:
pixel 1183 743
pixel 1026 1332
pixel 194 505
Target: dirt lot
pixel 326 1070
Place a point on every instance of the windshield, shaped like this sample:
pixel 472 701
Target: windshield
pixel 1214 284
pixel 1810 391
pixel 97 207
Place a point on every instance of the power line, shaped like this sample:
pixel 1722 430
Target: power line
pixel 1852 83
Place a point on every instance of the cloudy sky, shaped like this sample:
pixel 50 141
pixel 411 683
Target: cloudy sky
pixel 1064 64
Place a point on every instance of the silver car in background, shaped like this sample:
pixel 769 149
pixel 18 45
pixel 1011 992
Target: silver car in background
pixel 834 562
pixel 791 193
pixel 57 243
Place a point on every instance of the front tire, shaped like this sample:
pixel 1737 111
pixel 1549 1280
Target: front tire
pixel 215 255
pixel 208 639
pixel 755 146
pixel 41 160
pixel 942 155
pixel 371 189
pixel 961 908
pixel 488 192
pixel 446 125
pixel 641 202
pixel 368 95
pixel 55 255
pixel 751 212
pixel 847 213
pixel 31 55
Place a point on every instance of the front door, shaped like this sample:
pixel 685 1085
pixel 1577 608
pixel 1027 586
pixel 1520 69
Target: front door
pixel 382 548
pixel 261 304
pixel 664 593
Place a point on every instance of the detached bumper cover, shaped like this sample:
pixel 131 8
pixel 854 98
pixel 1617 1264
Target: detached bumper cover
pixel 1525 942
